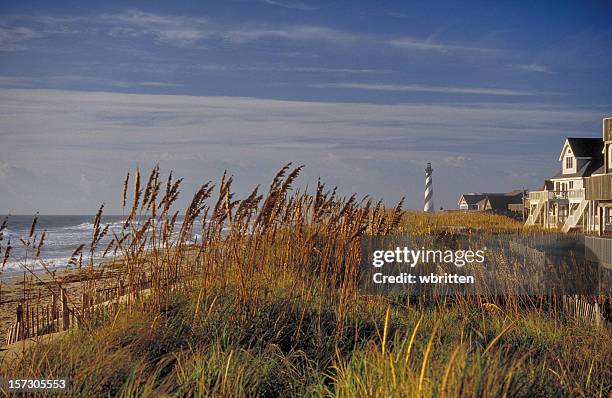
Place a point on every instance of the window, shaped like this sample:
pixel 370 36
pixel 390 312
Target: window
pixel 569 162
pixel 571 185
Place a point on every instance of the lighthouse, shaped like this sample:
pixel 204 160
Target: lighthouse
pixel 429 204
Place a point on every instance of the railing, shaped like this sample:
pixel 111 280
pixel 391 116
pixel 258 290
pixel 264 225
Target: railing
pixel 574 194
pixel 540 195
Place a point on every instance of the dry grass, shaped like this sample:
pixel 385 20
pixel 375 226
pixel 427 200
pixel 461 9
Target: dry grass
pixel 266 304
pixel 420 223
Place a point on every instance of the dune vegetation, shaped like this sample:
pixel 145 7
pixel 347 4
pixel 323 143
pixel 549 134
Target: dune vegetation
pixel 267 304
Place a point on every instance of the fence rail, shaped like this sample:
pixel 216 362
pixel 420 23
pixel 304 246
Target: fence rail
pixel 38 320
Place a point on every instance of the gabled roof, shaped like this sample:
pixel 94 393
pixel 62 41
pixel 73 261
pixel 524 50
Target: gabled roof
pixel 501 202
pixel 590 167
pixel 493 197
pixel 472 199
pixel 583 147
pixel 600 170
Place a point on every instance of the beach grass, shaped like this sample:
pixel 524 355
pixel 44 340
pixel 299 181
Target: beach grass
pixel 267 304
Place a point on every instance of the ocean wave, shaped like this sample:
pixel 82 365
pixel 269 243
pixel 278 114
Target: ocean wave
pixel 85 225
pixel 89 225
pixel 35 264
pixel 9 234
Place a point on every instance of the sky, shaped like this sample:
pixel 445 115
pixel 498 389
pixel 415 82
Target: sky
pixel 362 93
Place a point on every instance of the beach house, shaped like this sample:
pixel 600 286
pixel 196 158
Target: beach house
pixel 579 196
pixel 496 202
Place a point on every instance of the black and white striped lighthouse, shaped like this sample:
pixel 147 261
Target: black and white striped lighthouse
pixel 429 203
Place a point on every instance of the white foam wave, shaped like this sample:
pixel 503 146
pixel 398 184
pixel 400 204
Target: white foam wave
pixel 35 264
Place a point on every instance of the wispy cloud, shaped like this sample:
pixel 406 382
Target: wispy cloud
pixel 38 81
pixel 176 30
pixel 199 32
pixel 531 68
pixel 426 88
pixel 294 5
pixel 286 68
pixel 431 45
pixel 185 31
pixel 14 38
pixel 397 14
pixel 248 34
pixel 17 81
pixel 158 84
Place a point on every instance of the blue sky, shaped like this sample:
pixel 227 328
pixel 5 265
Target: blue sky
pixel 363 93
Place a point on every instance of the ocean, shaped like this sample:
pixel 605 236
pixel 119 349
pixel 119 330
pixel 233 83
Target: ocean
pixel 64 234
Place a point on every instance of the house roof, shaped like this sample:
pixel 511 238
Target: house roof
pixel 585 147
pixel 600 170
pixel 548 186
pixel 495 198
pixel 590 167
pixel 502 201
pixel 472 199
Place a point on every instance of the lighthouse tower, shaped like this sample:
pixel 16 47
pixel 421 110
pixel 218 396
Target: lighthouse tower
pixel 429 204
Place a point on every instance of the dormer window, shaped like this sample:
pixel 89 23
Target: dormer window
pixel 569 162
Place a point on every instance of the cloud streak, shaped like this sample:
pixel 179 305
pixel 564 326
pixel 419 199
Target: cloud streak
pixel 531 68
pixel 293 5
pixel 430 45
pixel 285 68
pixel 198 32
pixel 427 89
pixel 14 38
pixel 37 82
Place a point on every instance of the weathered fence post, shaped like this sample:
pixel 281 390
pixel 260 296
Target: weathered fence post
pixel 19 313
pixel 9 335
pixel 20 333
pixel 65 310
pixel 53 306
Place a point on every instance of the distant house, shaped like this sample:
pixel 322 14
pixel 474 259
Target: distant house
pixel 496 202
pixel 472 201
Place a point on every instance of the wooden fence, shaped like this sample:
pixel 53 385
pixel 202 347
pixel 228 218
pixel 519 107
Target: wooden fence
pixel 38 320
pixel 529 254
pixel 576 308
pixel 599 249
